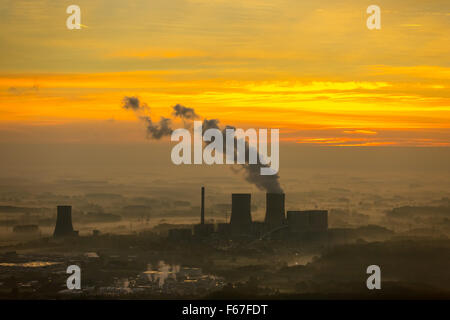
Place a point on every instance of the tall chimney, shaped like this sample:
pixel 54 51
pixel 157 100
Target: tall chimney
pixel 241 218
pixel 202 213
pixel 274 210
pixel 64 222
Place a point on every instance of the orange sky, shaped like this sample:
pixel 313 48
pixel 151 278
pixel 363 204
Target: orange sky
pixel 311 69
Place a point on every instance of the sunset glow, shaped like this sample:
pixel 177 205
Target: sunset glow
pixel 320 76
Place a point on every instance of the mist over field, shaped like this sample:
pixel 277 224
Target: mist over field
pixel 123 188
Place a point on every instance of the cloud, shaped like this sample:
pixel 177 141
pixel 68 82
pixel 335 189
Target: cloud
pixel 369 132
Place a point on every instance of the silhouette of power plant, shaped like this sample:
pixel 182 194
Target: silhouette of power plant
pixel 309 224
pixel 64 226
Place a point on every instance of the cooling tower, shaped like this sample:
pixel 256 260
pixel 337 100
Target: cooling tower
pixel 64 222
pixel 274 210
pixel 241 219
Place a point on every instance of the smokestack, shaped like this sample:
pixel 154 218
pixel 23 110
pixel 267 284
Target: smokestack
pixel 202 213
pixel 241 218
pixel 64 222
pixel 274 210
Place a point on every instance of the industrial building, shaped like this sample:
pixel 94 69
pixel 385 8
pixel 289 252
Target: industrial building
pixel 181 234
pixel 203 230
pixel 307 221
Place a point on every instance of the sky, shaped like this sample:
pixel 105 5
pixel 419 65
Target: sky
pixel 310 68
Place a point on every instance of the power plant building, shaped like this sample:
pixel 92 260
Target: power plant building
pixel 224 229
pixel 203 230
pixel 298 221
pixel 27 228
pixel 307 221
pixel 309 225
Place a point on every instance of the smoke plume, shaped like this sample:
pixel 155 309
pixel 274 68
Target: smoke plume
pixel 142 112
pixel 184 112
pixel 251 172
pixel 159 130
pixel 132 103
